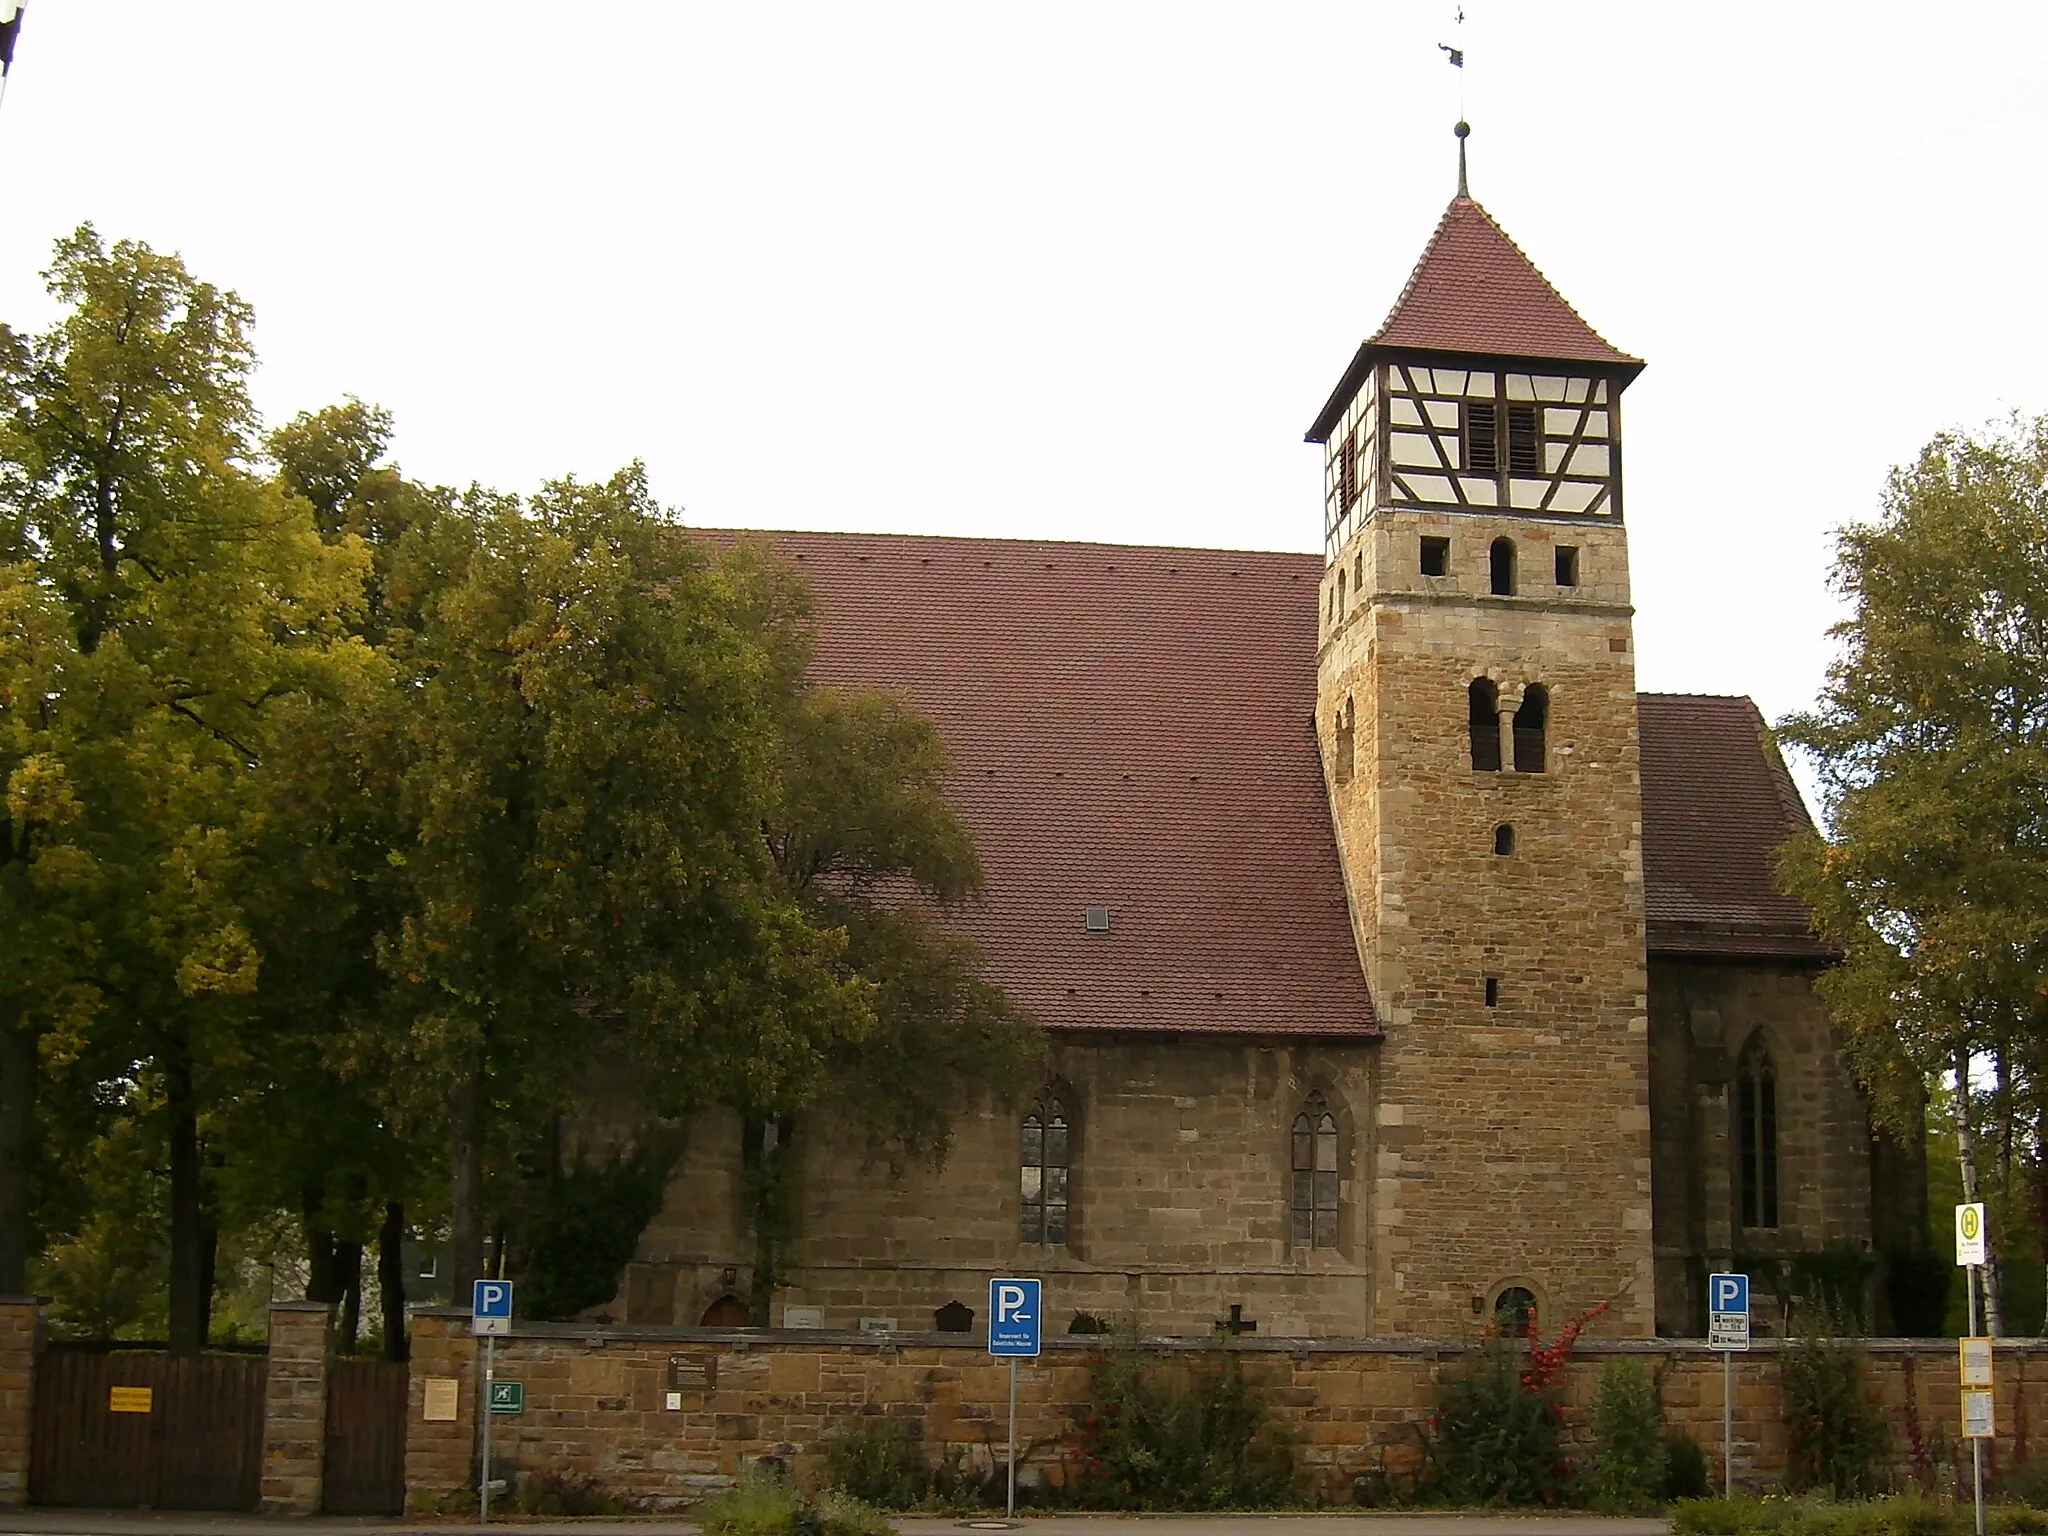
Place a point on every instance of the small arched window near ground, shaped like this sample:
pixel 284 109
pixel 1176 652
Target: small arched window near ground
pixel 726 1312
pixel 1503 840
pixel 1532 722
pixel 1347 741
pixel 1313 1195
pixel 1756 1113
pixel 1043 1171
pixel 1514 1310
pixel 1483 721
pixel 1501 558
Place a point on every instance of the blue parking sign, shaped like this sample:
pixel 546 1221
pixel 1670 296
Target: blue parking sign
pixel 1014 1324
pixel 1728 1293
pixel 491 1298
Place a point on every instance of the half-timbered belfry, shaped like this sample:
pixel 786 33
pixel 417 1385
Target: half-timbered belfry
pixel 1479 994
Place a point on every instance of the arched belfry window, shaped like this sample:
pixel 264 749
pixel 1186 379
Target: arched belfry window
pixel 1313 1190
pixel 1532 724
pixel 1756 1113
pixel 1043 1171
pixel 1483 708
pixel 1501 557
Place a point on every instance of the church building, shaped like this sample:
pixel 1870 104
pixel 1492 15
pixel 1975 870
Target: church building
pixel 1400 960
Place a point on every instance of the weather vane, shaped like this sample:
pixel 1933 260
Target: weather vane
pixel 1456 55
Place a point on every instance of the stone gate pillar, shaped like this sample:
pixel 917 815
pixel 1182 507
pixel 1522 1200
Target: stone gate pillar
pixel 21 1322
pixel 440 1407
pixel 295 1407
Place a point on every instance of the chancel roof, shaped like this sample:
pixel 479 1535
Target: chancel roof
pixel 1133 729
pixel 1718 804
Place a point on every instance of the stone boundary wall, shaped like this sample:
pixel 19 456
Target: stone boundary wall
pixel 21 1325
pixel 596 1401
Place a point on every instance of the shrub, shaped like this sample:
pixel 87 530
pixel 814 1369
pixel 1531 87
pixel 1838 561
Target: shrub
pixel 879 1461
pixel 2024 1483
pixel 1838 1434
pixel 1495 1430
pixel 1685 1467
pixel 764 1504
pixel 841 1514
pixel 1629 1457
pixel 560 1493
pixel 1192 1436
pixel 1813 1516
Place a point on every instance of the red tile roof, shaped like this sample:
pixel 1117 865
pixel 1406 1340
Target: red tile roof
pixel 1132 729
pixel 1717 805
pixel 1474 291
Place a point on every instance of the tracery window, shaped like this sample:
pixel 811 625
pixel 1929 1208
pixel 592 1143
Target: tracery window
pixel 1044 1171
pixel 1756 1113
pixel 1314 1188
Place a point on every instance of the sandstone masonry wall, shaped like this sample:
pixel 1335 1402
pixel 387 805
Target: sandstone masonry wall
pixel 20 1338
pixel 295 1407
pixel 596 1402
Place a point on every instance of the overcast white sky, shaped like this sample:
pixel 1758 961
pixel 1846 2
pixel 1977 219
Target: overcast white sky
pixel 1080 270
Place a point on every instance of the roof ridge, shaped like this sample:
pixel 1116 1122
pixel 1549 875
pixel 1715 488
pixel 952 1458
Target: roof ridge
pixel 1003 539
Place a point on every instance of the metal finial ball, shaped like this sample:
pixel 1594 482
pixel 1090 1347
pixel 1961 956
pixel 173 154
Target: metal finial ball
pixel 1463 130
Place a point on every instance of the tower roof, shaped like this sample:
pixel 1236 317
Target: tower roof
pixel 1474 292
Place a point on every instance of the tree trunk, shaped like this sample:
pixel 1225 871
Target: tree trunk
pixel 768 1162
pixel 323 1273
pixel 391 1281
pixel 350 1257
pixel 17 1131
pixel 191 1265
pixel 1966 1157
pixel 466 1183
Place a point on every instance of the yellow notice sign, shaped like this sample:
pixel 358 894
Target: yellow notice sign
pixel 442 1397
pixel 1976 1362
pixel 130 1399
pixel 1977 1414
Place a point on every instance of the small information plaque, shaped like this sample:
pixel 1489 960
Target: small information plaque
pixel 1977 1414
pixel 443 1395
pixel 131 1399
pixel 1976 1362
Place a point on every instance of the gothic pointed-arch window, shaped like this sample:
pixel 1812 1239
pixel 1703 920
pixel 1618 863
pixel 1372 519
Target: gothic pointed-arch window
pixel 1313 1189
pixel 1044 1171
pixel 1756 1113
pixel 1532 724
pixel 1483 722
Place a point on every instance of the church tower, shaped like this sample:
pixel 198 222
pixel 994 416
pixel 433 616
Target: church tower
pixel 1477 709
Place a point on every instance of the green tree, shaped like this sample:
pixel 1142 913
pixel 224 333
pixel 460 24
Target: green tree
pixel 1930 742
pixel 196 602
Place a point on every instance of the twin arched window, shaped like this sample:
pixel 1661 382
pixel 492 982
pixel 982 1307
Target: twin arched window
pixel 1756 1116
pixel 1531 731
pixel 1044 1168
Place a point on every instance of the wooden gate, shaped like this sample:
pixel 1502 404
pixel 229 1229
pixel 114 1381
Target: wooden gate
pixel 365 1466
pixel 141 1428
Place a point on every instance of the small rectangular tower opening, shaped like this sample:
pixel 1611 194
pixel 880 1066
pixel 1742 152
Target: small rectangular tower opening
pixel 1567 565
pixel 1493 991
pixel 1436 556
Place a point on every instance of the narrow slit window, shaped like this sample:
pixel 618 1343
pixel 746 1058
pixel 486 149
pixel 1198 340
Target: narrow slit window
pixel 1044 1172
pixel 1532 725
pixel 1313 1193
pixel 1347 741
pixel 1525 443
pixel 1481 432
pixel 1501 563
pixel 1436 556
pixel 1756 1106
pixel 1347 471
pixel 1493 991
pixel 1483 722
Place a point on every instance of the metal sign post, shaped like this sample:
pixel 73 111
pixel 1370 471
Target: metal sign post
pixel 490 1314
pixel 1979 1423
pixel 1015 1332
pixel 1728 1331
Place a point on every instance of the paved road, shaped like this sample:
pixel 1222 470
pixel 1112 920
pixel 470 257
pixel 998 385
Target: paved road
pixel 69 1522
